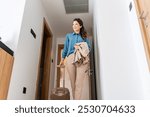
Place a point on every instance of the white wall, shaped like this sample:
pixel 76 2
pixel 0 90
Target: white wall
pixel 119 75
pixel 11 12
pixel 28 52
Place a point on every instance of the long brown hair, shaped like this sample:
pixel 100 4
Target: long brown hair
pixel 83 32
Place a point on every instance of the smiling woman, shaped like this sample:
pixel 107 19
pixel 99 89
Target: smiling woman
pixel 77 71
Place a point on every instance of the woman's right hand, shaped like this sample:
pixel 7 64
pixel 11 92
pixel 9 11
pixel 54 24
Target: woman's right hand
pixel 61 62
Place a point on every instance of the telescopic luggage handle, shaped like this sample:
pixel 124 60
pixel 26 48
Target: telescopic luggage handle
pixel 62 66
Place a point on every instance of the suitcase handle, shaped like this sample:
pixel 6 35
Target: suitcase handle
pixel 62 66
pixel 60 91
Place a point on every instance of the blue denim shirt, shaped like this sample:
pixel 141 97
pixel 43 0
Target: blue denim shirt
pixel 71 40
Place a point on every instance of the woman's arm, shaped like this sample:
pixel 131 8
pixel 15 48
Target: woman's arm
pixel 66 45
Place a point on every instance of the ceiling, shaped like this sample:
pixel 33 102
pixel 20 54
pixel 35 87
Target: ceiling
pixel 61 23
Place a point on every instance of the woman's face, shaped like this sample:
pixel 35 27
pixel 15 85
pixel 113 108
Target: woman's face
pixel 76 27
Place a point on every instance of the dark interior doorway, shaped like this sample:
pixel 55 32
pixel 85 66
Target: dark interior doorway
pixel 43 80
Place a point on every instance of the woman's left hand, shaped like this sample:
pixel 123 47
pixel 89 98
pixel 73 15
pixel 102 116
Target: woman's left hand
pixel 76 47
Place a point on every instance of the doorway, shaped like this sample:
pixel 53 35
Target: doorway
pixel 43 80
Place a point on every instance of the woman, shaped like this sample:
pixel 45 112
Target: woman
pixel 76 73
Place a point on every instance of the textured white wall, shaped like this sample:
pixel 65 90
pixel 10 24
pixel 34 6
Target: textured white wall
pixel 119 75
pixel 11 12
pixel 28 52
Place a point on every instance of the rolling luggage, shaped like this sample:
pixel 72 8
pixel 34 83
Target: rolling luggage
pixel 60 93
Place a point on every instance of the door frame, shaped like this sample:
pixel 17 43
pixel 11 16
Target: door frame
pixel 143 32
pixel 45 29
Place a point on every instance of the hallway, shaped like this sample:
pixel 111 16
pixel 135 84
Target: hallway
pixel 119 61
pixel 68 10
